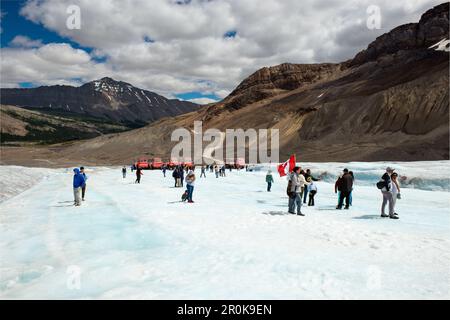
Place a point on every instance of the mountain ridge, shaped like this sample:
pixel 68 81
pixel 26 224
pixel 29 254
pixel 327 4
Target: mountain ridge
pixel 389 102
pixel 104 98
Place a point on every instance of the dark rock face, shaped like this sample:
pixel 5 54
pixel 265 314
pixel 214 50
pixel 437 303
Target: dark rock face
pixel 432 28
pixel 105 99
pixel 269 82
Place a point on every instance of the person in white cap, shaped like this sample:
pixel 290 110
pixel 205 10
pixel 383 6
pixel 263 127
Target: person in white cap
pixel 387 194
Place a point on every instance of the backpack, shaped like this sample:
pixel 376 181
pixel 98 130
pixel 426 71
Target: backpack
pixel 289 193
pixel 381 184
pixel 184 196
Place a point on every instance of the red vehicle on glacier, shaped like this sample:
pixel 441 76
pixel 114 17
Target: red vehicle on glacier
pixel 173 163
pixel 156 163
pixel 142 164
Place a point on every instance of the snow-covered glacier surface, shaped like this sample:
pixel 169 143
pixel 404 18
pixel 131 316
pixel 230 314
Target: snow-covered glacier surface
pixel 236 241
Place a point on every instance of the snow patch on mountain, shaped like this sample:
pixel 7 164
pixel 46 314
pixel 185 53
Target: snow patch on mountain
pixel 443 45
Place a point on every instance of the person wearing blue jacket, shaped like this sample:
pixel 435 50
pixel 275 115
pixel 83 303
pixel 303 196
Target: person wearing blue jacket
pixel 78 182
pixel 83 188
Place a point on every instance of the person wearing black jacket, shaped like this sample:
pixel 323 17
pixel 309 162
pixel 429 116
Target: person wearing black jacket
pixel 308 175
pixel 346 187
pixel 138 175
pixel 181 175
pixel 176 176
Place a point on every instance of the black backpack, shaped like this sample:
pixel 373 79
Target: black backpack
pixel 381 184
pixel 184 196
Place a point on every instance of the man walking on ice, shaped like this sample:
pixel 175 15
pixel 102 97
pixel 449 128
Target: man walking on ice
pixel 78 183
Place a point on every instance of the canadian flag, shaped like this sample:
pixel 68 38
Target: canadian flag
pixel 287 167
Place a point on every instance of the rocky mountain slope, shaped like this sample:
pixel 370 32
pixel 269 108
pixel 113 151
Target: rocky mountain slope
pixel 21 126
pixel 390 102
pixel 105 99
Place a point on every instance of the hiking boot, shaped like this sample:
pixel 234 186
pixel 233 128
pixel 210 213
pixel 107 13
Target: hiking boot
pixel 383 215
pixel 392 216
pixel 300 214
pixel 291 212
pixel 190 201
pixel 346 208
pixel 338 208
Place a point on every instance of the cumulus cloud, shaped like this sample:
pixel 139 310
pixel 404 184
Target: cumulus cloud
pixel 170 48
pixel 202 100
pixel 48 64
pixel 25 42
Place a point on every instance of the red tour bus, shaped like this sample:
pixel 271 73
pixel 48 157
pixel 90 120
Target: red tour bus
pixel 142 164
pixel 187 163
pixel 240 163
pixel 157 163
pixel 173 163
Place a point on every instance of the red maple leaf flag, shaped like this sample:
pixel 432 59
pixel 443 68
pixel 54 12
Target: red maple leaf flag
pixel 287 167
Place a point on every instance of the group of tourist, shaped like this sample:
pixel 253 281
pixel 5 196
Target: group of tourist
pixel 301 187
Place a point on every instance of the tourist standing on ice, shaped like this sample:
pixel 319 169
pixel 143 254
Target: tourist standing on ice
pixel 337 188
pixel 190 180
pixel 164 169
pixel 295 184
pixel 269 180
pixel 312 190
pixel 395 189
pixel 181 173
pixel 203 172
pixel 83 188
pixel 308 175
pixel 216 170
pixel 124 172
pixel 350 197
pixel 78 183
pixel 176 177
pixel 346 188
pixel 138 175
pixel 386 191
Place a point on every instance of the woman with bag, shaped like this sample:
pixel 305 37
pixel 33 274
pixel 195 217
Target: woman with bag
pixel 190 179
pixel 395 190
pixel 296 183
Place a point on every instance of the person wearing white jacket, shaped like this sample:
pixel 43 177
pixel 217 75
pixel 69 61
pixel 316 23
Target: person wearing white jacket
pixel 395 190
pixel 387 194
pixel 312 190
pixel 190 180
pixel 296 183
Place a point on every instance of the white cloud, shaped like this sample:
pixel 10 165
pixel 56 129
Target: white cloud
pixel 202 100
pixel 25 42
pixel 49 64
pixel 189 52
